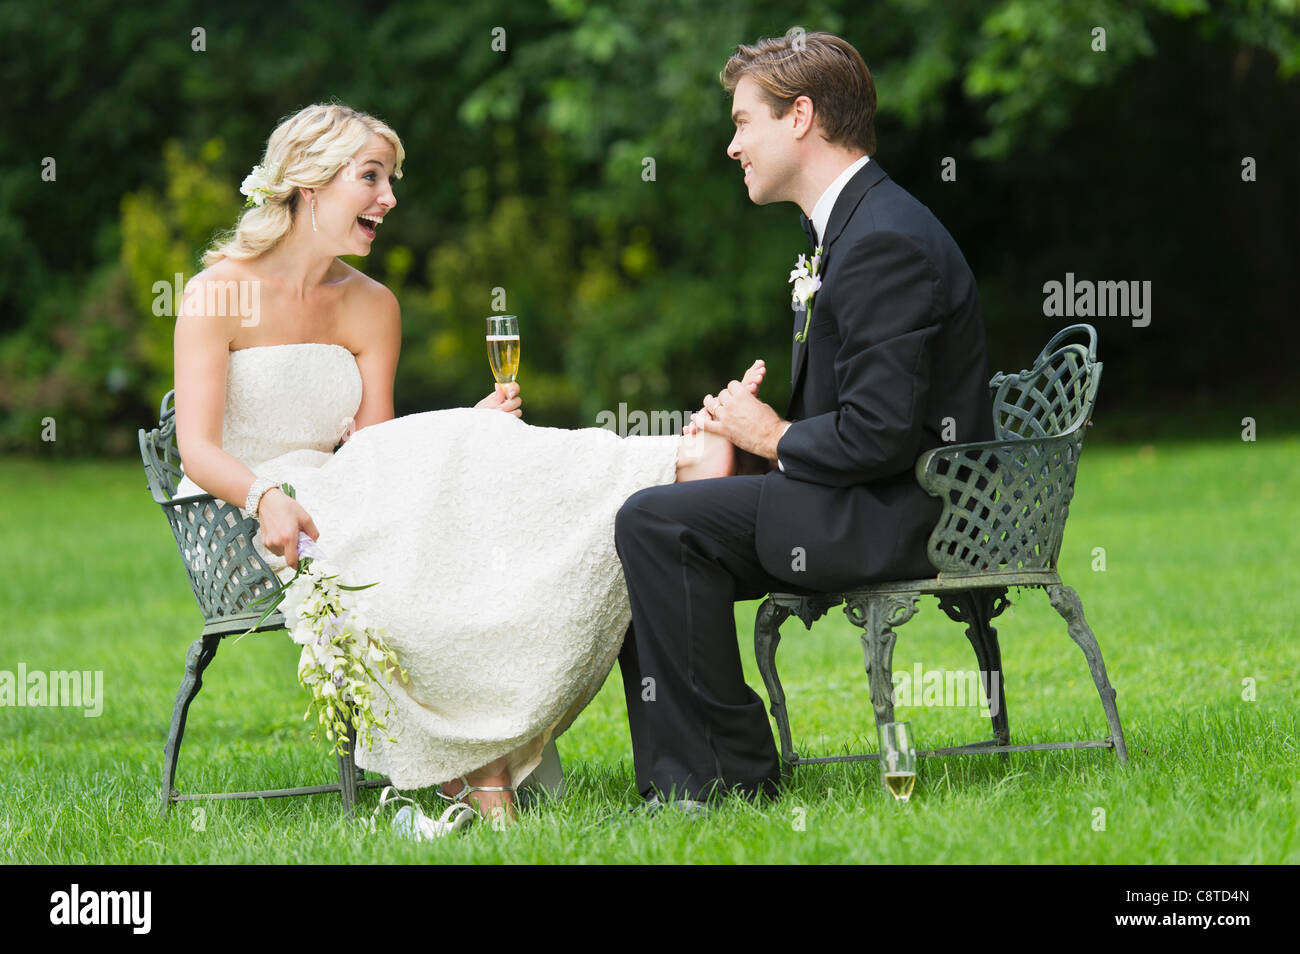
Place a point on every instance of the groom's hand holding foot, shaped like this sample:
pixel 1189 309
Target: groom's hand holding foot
pixel 739 416
pixel 746 462
pixel 752 381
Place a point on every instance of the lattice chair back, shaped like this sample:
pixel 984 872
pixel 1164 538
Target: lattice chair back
pixel 1006 500
pixel 214 539
pixel 1054 395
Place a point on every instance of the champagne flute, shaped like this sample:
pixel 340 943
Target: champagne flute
pixel 503 347
pixel 897 759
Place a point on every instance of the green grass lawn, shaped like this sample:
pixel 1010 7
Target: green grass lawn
pixel 1196 604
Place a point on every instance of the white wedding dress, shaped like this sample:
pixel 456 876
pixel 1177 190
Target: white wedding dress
pixel 492 542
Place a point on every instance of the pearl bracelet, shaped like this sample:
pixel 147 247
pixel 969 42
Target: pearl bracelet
pixel 259 486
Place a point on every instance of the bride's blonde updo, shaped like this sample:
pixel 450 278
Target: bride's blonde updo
pixel 307 149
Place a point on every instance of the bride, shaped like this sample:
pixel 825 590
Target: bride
pixel 492 541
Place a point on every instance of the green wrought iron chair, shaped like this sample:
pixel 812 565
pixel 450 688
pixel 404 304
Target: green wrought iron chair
pixel 227 575
pixel 1005 502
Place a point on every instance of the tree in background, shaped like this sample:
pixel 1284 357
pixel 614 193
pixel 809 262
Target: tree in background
pixel 570 156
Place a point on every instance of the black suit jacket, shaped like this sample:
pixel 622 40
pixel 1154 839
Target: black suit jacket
pixel 896 346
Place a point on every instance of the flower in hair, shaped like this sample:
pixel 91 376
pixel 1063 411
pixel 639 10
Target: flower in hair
pixel 257 186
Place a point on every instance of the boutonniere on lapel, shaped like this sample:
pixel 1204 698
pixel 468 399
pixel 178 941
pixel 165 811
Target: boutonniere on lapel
pixel 806 283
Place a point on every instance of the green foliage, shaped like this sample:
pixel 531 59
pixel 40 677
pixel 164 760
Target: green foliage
pixel 519 243
pixel 529 169
pixel 75 367
pixel 162 239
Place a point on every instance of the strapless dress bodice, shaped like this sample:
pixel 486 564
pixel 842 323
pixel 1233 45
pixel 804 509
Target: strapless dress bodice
pixel 290 397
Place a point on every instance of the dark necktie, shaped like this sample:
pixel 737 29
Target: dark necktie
pixel 808 230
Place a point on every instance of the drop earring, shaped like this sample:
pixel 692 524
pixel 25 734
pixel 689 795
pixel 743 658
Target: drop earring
pixel 313 215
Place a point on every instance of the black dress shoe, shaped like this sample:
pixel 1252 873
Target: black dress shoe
pixel 686 806
pixel 654 807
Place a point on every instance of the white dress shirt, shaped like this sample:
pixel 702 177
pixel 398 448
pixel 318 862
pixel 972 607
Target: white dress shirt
pixel 821 216
pixel 821 213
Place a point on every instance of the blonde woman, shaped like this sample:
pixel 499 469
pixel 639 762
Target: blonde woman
pixel 492 541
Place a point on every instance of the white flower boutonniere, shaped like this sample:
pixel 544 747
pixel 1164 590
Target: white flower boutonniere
pixel 257 186
pixel 806 283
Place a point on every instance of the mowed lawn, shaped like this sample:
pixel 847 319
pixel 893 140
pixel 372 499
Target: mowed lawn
pixel 1195 611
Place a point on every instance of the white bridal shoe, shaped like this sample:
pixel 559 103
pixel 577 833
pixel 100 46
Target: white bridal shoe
pixel 546 781
pixel 411 822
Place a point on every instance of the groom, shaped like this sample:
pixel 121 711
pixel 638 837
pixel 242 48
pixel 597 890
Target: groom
pixel 893 364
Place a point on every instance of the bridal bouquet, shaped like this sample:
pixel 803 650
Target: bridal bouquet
pixel 340 647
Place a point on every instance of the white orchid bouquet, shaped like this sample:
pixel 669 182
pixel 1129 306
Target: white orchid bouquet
pixel 341 648
pixel 806 284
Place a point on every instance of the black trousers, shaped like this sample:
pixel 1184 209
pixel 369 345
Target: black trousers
pixel 688 555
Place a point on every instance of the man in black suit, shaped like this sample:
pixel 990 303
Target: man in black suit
pixel 891 362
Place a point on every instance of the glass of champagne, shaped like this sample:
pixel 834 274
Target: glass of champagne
pixel 898 759
pixel 503 347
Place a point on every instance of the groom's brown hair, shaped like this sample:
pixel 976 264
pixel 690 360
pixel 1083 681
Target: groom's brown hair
pixel 823 67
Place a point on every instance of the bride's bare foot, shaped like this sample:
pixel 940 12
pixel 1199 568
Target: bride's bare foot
pixel 497 807
pixel 704 455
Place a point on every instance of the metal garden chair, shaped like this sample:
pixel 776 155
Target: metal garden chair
pixel 1005 503
pixel 227 574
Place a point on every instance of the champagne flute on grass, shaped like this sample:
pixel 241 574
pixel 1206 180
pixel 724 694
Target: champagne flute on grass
pixel 898 759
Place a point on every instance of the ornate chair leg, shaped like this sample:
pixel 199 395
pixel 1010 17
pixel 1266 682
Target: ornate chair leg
pixel 767 636
pixel 197 658
pixel 1066 602
pixel 348 773
pixel 878 614
pixel 977 609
